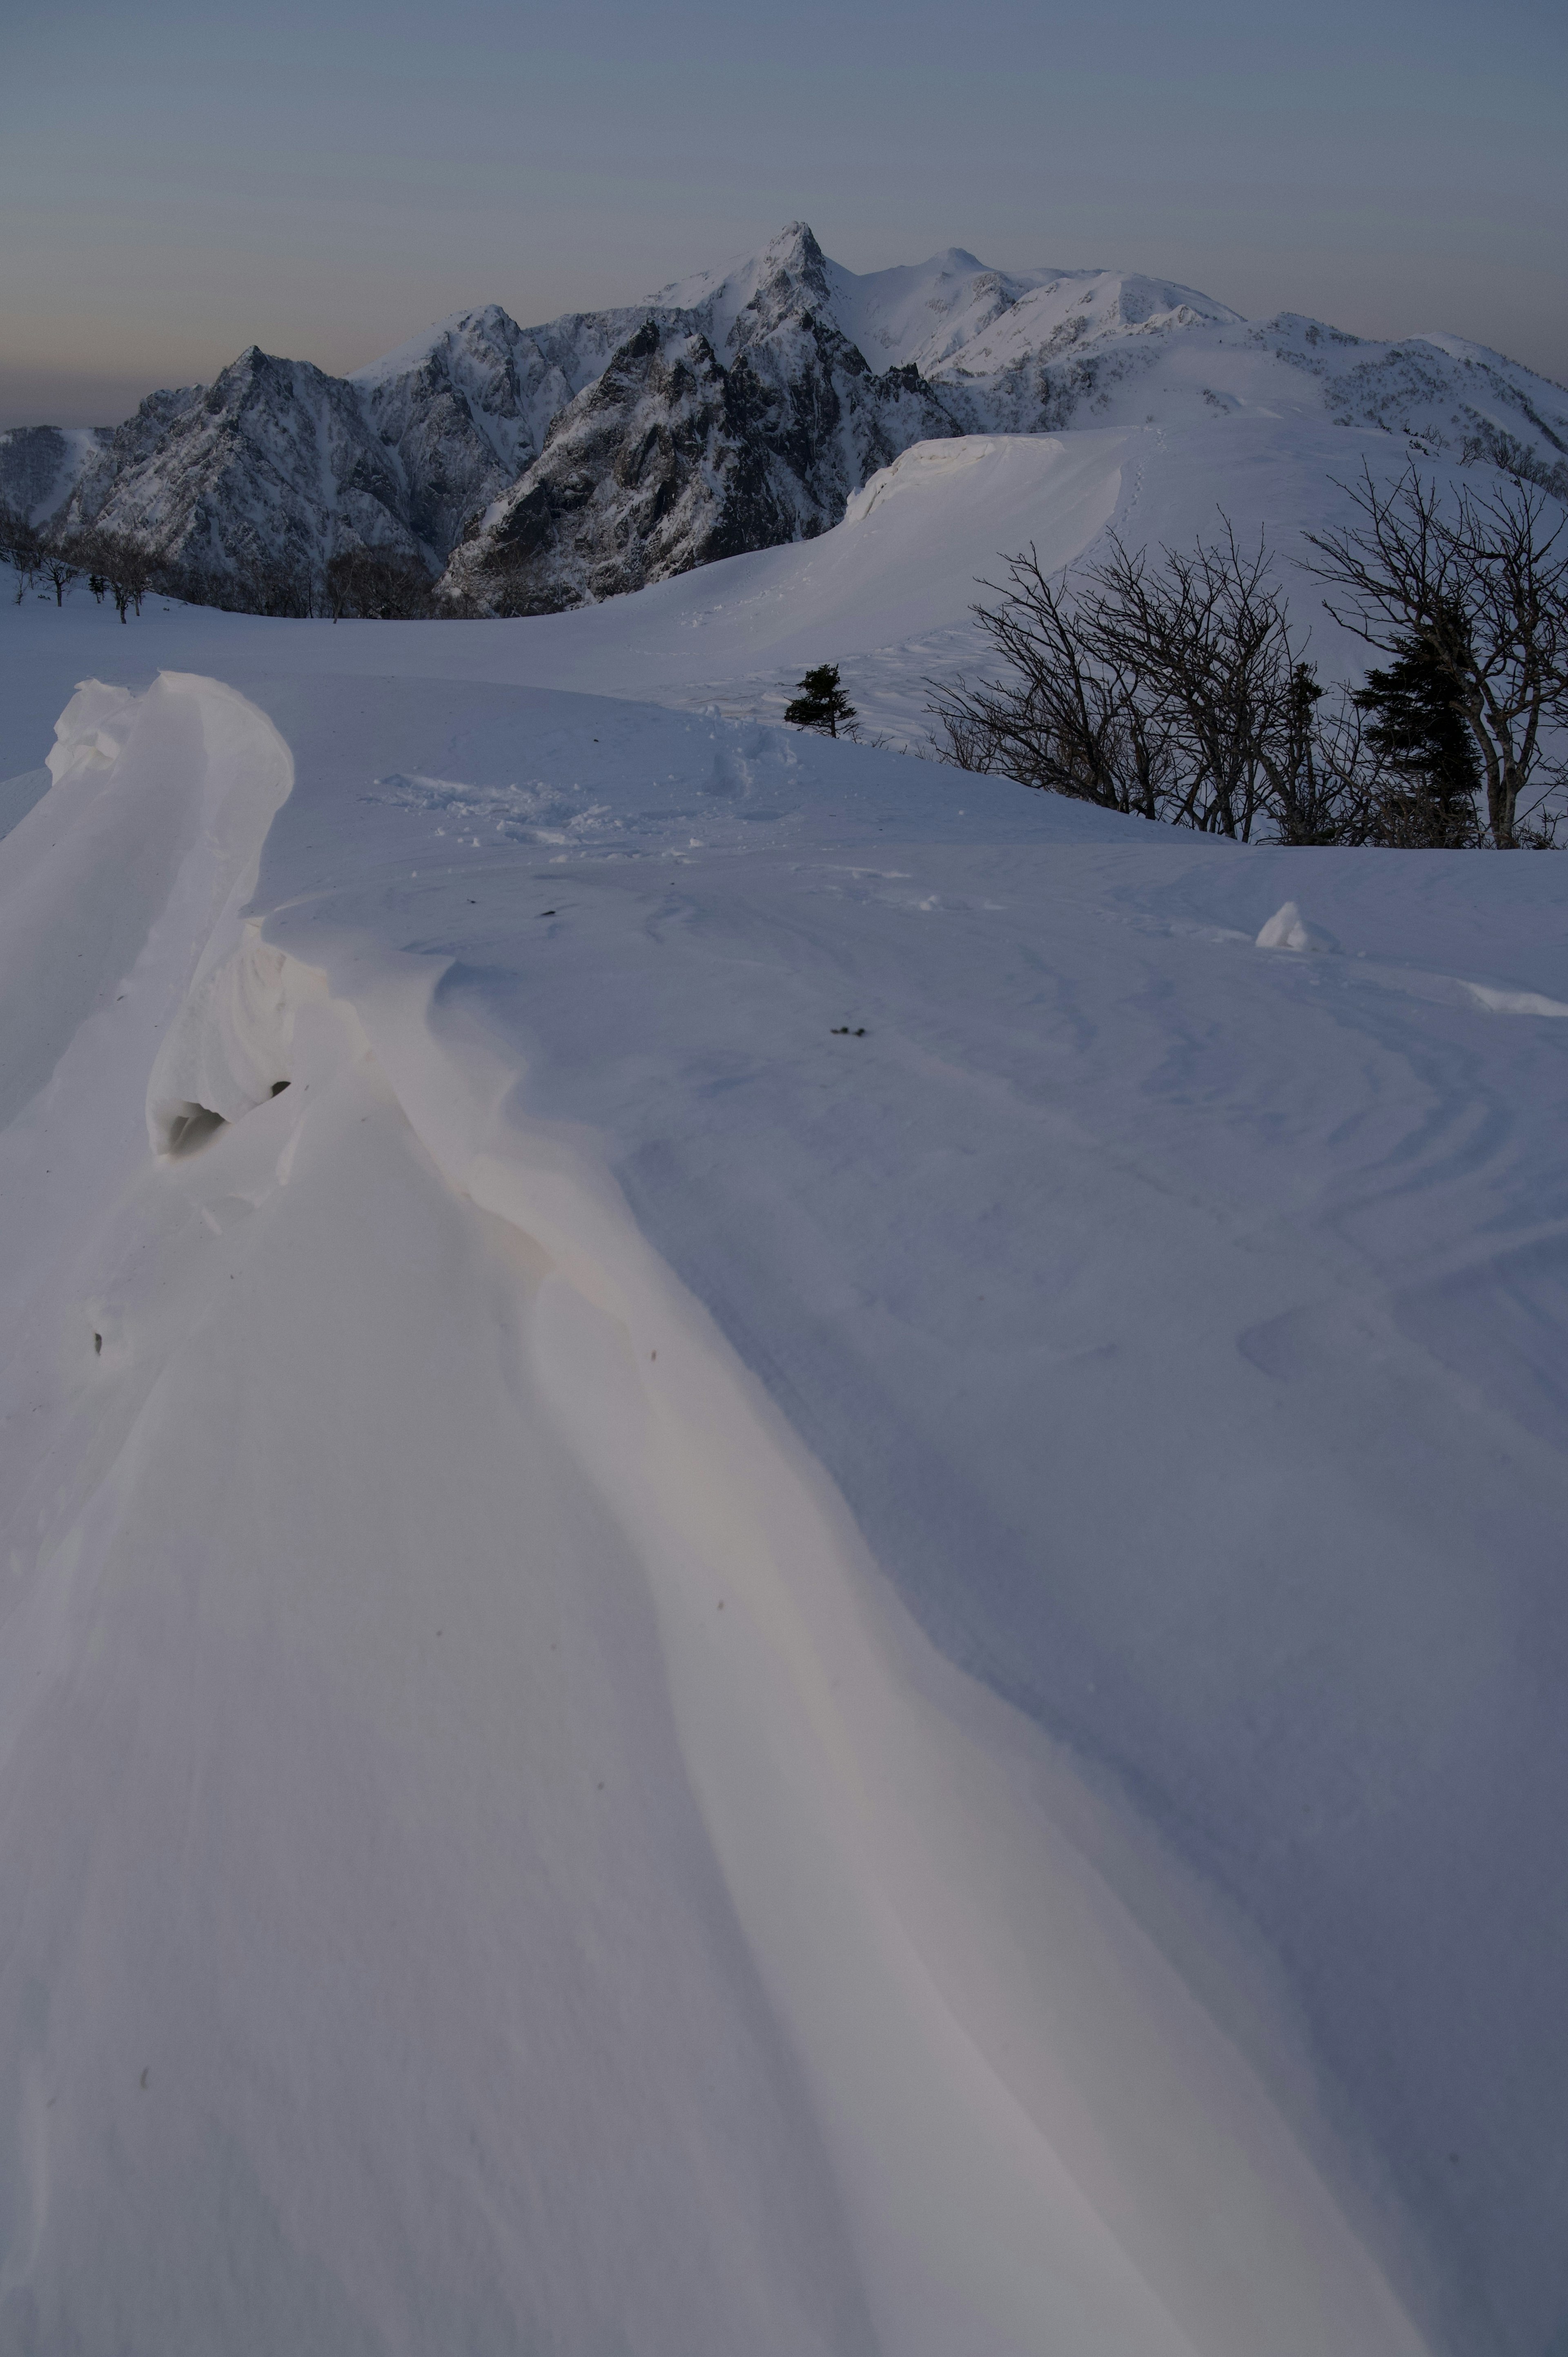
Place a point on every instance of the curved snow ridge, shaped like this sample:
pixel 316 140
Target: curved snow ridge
pixel 1035 2123
pixel 234 779
pixel 1037 2127
pixel 241 775
pixel 1513 1002
pixel 137 857
pixel 1001 468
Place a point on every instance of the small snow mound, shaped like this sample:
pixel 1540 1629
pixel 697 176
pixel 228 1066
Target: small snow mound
pixel 1514 1002
pixel 1287 929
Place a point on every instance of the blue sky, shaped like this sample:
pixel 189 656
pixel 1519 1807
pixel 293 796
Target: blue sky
pixel 178 181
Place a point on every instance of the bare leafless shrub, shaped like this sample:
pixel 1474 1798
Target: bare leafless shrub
pixel 21 547
pixel 123 565
pixel 1060 718
pixel 60 572
pixel 1172 685
pixel 1167 686
pixel 1474 584
pixel 373 585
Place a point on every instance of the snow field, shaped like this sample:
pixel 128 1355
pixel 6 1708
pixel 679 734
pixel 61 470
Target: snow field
pixel 367 1947
pixel 817 1604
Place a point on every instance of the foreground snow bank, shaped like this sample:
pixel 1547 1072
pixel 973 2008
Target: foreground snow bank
pixel 807 1609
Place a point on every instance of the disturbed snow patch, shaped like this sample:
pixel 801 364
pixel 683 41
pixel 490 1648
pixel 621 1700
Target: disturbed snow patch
pixel 533 814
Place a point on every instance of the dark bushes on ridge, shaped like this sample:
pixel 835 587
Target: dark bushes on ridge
pixel 1173 686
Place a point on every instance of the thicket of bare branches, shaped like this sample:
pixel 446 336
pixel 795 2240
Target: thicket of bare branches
pixel 368 584
pixel 120 563
pixel 374 585
pixel 1173 686
pixel 1475 586
pixel 22 548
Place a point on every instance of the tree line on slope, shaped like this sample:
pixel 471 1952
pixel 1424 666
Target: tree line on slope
pixel 359 583
pixel 114 568
pixel 1173 686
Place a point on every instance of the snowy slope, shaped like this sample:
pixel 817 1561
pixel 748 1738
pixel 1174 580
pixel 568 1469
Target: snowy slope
pixel 40 465
pixel 1000 1791
pixel 888 592
pixel 952 313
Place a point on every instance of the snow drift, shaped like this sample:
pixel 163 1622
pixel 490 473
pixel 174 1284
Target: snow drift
pixel 816 1604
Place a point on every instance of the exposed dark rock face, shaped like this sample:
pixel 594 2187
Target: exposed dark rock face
pixel 467 409
pixel 671 459
pixel 641 476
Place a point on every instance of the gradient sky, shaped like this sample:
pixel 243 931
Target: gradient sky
pixel 180 181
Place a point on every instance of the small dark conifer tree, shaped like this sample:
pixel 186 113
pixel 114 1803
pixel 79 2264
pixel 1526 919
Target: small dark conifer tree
pixel 820 702
pixel 1417 725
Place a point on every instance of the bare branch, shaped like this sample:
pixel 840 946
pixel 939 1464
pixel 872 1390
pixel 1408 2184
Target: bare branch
pixel 1477 582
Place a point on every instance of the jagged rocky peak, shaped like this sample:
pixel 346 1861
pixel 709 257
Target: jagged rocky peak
pixel 263 474
pixel 451 347
pixel 748 299
pixel 473 364
pixel 734 417
pixel 262 380
pixel 812 379
pixel 642 476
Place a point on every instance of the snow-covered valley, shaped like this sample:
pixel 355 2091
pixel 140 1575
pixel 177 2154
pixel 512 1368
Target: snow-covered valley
pixel 782 1559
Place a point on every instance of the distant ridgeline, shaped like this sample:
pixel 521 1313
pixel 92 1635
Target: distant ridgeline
pixel 491 468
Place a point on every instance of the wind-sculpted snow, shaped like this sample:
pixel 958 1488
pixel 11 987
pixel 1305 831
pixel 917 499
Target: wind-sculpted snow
pixel 784 1560
pixel 1287 929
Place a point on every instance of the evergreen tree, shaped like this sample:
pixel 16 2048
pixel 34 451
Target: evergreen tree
pixel 1416 723
pixel 820 702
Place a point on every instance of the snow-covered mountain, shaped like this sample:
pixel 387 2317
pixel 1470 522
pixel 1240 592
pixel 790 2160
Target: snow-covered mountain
pixel 40 465
pixel 548 466
pixel 467 405
pixel 272 466
pixel 739 416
